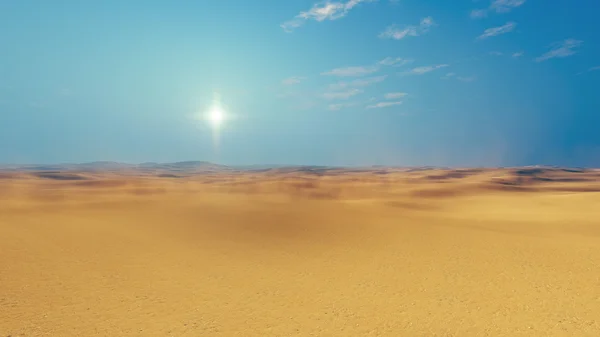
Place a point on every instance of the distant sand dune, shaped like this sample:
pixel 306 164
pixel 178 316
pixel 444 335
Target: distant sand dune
pixel 59 176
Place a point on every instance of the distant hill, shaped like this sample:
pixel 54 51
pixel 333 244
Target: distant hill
pixel 185 166
pixel 109 165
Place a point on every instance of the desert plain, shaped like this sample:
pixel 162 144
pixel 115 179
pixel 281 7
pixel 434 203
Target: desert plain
pixel 300 252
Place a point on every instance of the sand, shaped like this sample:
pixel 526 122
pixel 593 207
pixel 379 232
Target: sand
pixel 502 252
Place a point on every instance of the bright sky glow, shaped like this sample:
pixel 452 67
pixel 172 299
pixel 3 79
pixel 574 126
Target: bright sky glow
pixel 216 116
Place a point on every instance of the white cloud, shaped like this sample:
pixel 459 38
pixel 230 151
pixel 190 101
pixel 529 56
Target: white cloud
pixel 478 13
pixel 352 71
pixel 596 68
pixel 513 55
pixel 395 95
pixel 395 61
pixel 426 23
pixel 293 80
pixel 398 33
pixel 424 70
pixel 328 10
pixel 498 6
pixel 363 82
pixel 357 71
pixel 561 49
pixel 342 94
pixel 505 6
pixel 495 31
pixel 448 76
pixel 383 105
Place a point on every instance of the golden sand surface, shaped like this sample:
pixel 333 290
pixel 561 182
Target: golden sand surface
pixel 473 252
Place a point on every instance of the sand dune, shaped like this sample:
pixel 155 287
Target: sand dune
pixel 166 251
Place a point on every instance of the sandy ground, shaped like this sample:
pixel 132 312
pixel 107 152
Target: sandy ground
pixel 504 252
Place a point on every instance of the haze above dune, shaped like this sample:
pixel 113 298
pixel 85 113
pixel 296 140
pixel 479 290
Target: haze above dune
pixel 178 251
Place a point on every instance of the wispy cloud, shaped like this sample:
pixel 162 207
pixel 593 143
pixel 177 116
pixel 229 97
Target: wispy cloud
pixel 466 79
pixel 395 95
pixel 357 71
pixel 395 61
pixel 448 76
pixel 596 68
pixel 424 70
pixel 478 13
pixel 498 6
pixel 505 6
pixel 340 106
pixel 398 33
pixel 342 94
pixel 293 80
pixel 383 105
pixel 512 54
pixel 560 49
pixel 363 82
pixel 495 31
pixel 352 71
pixel 328 10
pixel 518 54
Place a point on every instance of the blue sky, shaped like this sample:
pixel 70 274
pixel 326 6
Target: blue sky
pixel 348 82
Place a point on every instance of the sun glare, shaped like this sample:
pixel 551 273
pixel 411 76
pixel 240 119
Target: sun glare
pixel 216 116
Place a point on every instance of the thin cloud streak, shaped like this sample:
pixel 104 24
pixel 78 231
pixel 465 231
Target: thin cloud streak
pixel 395 95
pixel 498 6
pixel 328 10
pixel 396 32
pixel 381 105
pixel 505 6
pixel 424 70
pixel 352 71
pixel 448 76
pixel 495 31
pixel 340 106
pixel 395 61
pixel 561 49
pixel 342 95
pixel 596 68
pixel 363 82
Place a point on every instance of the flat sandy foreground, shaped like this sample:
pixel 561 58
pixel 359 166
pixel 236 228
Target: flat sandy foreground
pixel 505 252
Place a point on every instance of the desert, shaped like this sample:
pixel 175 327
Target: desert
pixel 296 168
pixel 206 250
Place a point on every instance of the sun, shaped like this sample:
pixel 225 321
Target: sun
pixel 216 116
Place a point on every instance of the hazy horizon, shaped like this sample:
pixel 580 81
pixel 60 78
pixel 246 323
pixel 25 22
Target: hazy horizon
pixel 335 83
pixel 292 165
